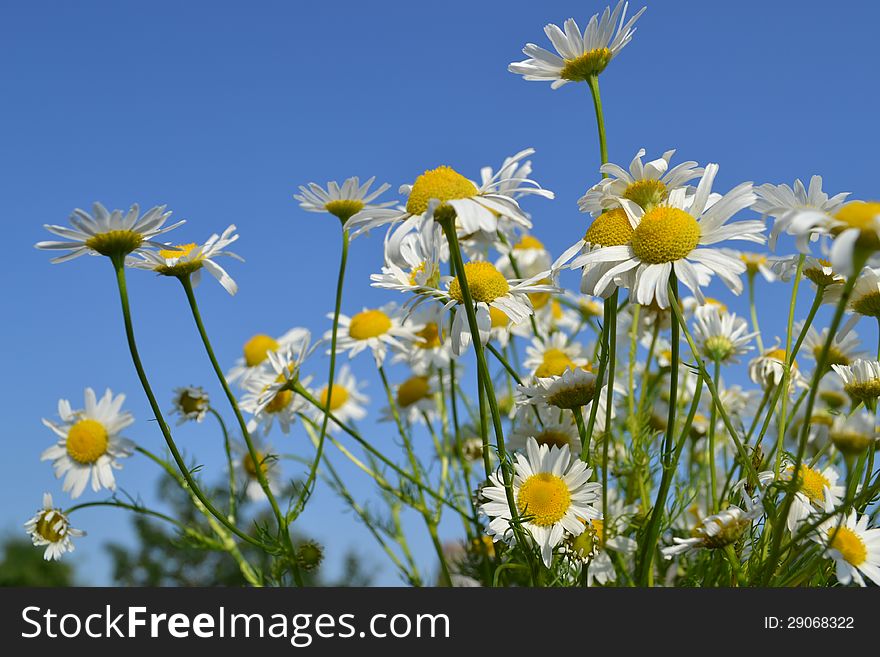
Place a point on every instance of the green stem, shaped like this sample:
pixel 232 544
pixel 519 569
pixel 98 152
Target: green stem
pixel 227 446
pixel 593 81
pixel 713 483
pixel 754 312
pixel 786 373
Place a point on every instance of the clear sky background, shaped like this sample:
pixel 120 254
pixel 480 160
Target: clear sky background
pixel 222 109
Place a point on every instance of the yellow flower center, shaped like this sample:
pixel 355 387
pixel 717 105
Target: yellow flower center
pixel 179 268
pixel 540 299
pixel 344 209
pixel 812 484
pixel 369 324
pixel 412 390
pixel 340 396
pixel 431 280
pixel 665 234
pixel 863 391
pixel 859 214
pixel 485 282
pixel 553 438
pixel 87 441
pixel 251 468
pixel 611 228
pixel 257 347
pixel 599 528
pixel 51 525
pixel 835 355
pixel 715 303
pixel 115 242
pixel 718 347
pixel 429 337
pixel 529 242
pixel 779 354
pixel 554 363
pixel 646 193
pixel 582 68
pixel 822 276
pixel 868 304
pixel 499 318
pixel 443 183
pixel 543 497
pixel 851 442
pixel 573 397
pixel 753 262
pixel 280 401
pixel 191 404
pixel 850 545
pixel 556 310
pixel 832 399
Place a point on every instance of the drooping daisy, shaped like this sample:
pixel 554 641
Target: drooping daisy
pixel 189 259
pixel 855 434
pixel 554 355
pixel 342 202
pixel 257 349
pixel 785 204
pixel 347 400
pixel 490 289
pixel 861 380
pixel 553 497
pixel 844 348
pixel 864 300
pixel 581 54
pixel 854 547
pixel 670 238
pixel 768 369
pixel 815 489
pixel 109 233
pixel 646 185
pixel 816 270
pixel 444 193
pixel 555 428
pixel 89 445
pixel 529 256
pixel 246 469
pixel 713 532
pixel 375 329
pixel 721 336
pixel 191 403
pixel 573 391
pixel 50 527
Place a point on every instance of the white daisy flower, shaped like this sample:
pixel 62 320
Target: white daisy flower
pixel 864 300
pixel 855 434
pixel 191 403
pixel 109 233
pixel 414 399
pixel 553 497
pixel 412 259
pixel 555 428
pixel 861 380
pixel 490 289
pixel 844 347
pixel 375 329
pixel 190 259
pixel 529 255
pixel 600 538
pixel 443 192
pixel 89 445
pixel 50 527
pixel 712 532
pixel 581 54
pixel 573 390
pixel 816 489
pixel 553 355
pixel 645 185
pixel 431 349
pixel 342 202
pixel 768 369
pixel 670 238
pixel 854 547
pixel 757 263
pixel 720 335
pixel 816 270
pixel 257 349
pixel 246 469
pixel 347 401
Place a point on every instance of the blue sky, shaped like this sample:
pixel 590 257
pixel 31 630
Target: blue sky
pixel 221 109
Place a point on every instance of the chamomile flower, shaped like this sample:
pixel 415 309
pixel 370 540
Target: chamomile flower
pixel 344 201
pixel 412 260
pixel 246 466
pixel 646 185
pixel 529 256
pixel 843 351
pixel 573 390
pixel 110 234
pixel 582 55
pixel 768 369
pixel 89 445
pixel 713 532
pixel 553 497
pixel 50 528
pixel 375 329
pixel 861 380
pixel 430 349
pixel 257 349
pixel 720 335
pixel 815 489
pixel 443 193
pixel 855 434
pixel 414 399
pixel 553 355
pixel 672 238
pixel 854 547
pixel 191 403
pixel 189 259
pixel 347 400
pixel 816 270
pixel 602 535
pixel 757 263
pixel 790 206
pixel 555 428
pixel 864 301
pixel 490 289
